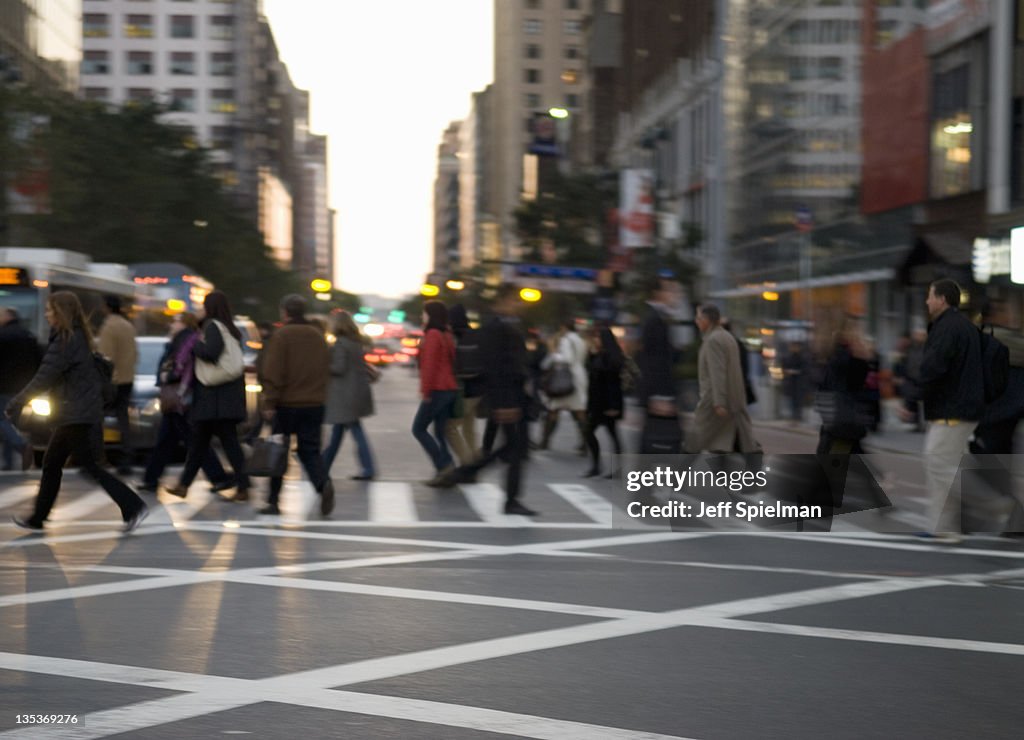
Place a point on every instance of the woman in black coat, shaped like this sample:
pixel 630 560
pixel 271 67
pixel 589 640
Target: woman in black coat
pixel 216 409
pixel 604 394
pixel 70 374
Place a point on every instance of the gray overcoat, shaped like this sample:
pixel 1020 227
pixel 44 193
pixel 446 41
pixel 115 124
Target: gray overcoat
pixel 349 397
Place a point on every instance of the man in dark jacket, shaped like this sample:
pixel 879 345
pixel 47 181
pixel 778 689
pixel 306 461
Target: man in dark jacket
pixel 655 358
pixel 953 390
pixel 503 347
pixel 20 354
pixel 296 371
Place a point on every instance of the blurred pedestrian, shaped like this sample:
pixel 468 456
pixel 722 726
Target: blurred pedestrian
pixel 175 379
pixel 349 396
pixel 794 372
pixel 69 374
pixel 505 397
pixel 296 372
pixel 953 384
pixel 748 385
pixel 266 329
pixel 998 425
pixel 460 432
pixel 604 395
pixel 567 353
pixel 720 422
pixel 117 342
pixel 218 403
pixel 20 355
pixel 437 389
pixel 655 359
pixel 840 397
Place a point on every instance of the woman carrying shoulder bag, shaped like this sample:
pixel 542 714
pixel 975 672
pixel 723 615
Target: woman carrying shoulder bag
pixel 218 403
pixel 69 372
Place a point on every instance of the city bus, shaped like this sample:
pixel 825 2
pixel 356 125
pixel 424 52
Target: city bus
pixel 28 276
pixel 165 289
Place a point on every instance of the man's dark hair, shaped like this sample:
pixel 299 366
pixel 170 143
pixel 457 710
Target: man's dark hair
pixel 948 290
pixel 711 312
pixel 294 306
pixel 113 303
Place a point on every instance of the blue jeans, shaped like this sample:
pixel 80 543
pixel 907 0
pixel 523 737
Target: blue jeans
pixel 435 411
pixel 10 437
pixel 362 447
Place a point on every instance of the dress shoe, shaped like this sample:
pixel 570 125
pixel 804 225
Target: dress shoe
pixel 28 456
pixel 147 487
pixel 26 523
pixel 179 491
pixel 222 485
pixel 327 498
pixel 270 510
pixel 132 523
pixel 514 507
pixel 363 477
pixel 241 496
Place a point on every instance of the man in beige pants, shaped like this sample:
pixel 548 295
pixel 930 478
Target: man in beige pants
pixel 954 400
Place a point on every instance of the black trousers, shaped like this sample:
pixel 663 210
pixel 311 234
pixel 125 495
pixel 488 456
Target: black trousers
pixel 307 426
pixel 175 429
pixel 74 439
pixel 511 451
pixel 203 433
pixel 595 420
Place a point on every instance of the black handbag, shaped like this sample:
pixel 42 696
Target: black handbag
pixel 558 382
pixel 268 459
pixel 661 435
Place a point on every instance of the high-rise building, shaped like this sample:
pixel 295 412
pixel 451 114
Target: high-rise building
pixel 475 187
pixel 40 43
pixel 538 65
pixel 446 201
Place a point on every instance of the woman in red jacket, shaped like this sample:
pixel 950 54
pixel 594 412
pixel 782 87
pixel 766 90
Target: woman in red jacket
pixel 437 387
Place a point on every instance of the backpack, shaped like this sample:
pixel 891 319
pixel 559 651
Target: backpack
pixel 469 361
pixel 995 365
pixel 105 369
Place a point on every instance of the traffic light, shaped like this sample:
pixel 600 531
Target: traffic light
pixel 320 285
pixel 429 290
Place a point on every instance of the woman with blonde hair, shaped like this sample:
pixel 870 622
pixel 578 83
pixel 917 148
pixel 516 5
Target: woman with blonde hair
pixel 69 374
pixel 349 398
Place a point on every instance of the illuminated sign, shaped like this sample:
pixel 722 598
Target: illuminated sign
pixel 13 276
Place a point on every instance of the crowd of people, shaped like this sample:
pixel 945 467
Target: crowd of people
pixel 497 371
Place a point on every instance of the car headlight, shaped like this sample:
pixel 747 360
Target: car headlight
pixel 152 406
pixel 253 388
pixel 40 406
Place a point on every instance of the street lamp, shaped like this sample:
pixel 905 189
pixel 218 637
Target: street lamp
pixel 429 290
pixel 530 295
pixel 455 285
pixel 321 286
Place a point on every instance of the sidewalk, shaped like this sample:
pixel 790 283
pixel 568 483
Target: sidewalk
pixel 893 434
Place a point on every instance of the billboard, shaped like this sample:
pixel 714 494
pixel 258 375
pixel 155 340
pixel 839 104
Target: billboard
pixel 636 208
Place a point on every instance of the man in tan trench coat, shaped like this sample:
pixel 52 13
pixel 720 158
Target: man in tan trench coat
pixel 721 422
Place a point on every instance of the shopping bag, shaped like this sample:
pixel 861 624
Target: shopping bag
pixel 269 457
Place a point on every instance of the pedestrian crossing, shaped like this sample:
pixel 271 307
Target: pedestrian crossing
pixel 399 503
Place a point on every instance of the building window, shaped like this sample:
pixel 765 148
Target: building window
pixel 139 95
pixel 95 63
pixel 531 76
pixel 532 26
pixel 572 4
pixel 570 76
pixel 137 26
pixel 223 101
pixel 222 64
pixel 97 93
pixel 572 52
pixel 572 100
pixel 533 4
pixel 572 27
pixel 96 25
pixel 533 51
pixel 140 63
pixel 952 134
pixel 183 63
pixel 830 68
pixel 532 100
pixel 183 100
pixel 183 27
pixel 221 137
pixel 222 27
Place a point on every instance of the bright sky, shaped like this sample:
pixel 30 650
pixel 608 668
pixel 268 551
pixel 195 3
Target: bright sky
pixel 385 80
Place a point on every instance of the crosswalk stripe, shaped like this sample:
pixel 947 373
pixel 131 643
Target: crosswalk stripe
pixel 81 507
pixel 391 502
pixel 17 494
pixel 583 498
pixel 487 500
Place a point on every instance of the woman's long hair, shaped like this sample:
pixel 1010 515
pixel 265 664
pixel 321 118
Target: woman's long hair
pixel 68 316
pixel 217 307
pixel 344 326
pixel 437 316
pixel 189 321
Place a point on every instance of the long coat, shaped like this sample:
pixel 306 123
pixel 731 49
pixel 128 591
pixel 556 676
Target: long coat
pixel 224 402
pixel 571 350
pixel 349 397
pixel 721 384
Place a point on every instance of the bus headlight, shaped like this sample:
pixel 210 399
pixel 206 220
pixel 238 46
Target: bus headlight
pixel 40 406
